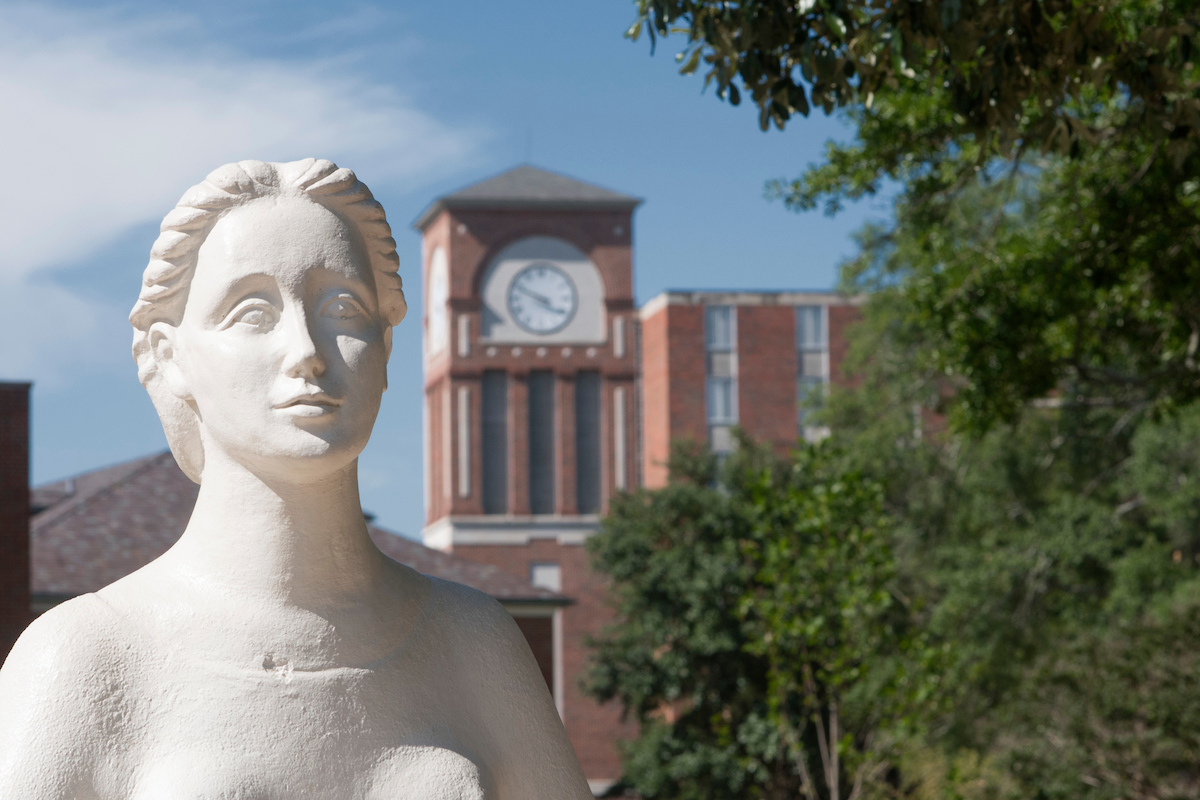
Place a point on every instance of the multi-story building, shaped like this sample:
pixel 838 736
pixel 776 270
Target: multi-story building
pixel 547 391
pixel 715 360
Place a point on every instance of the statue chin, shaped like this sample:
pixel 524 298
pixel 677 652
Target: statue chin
pixel 273 651
pixel 289 456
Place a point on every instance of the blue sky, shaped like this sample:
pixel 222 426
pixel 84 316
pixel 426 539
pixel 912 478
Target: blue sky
pixel 113 110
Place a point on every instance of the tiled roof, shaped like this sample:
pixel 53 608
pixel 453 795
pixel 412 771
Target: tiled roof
pixel 95 528
pixel 528 187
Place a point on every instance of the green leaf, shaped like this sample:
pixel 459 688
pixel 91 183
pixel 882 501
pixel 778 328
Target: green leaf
pixel 836 25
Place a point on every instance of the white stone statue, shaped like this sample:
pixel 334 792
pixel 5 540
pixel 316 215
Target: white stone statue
pixel 274 653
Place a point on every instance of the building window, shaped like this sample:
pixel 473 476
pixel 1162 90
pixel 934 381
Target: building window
pixel 812 363
pixel 718 328
pixel 539 634
pixel 546 576
pixel 619 439
pixel 720 400
pixel 541 442
pixel 720 338
pixel 587 442
pixel 495 442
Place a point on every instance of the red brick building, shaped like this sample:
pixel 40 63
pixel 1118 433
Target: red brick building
pixel 546 391
pixel 531 369
pixel 715 360
pixel 14 513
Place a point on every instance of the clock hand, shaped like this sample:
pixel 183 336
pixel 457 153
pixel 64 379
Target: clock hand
pixel 544 302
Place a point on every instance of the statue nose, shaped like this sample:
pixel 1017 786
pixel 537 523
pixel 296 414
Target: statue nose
pixel 303 360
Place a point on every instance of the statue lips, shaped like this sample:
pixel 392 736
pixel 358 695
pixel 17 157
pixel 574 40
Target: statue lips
pixel 317 404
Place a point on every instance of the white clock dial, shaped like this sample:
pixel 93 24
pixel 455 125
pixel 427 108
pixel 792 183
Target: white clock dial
pixel 542 298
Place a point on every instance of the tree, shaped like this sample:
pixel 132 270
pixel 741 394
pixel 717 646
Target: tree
pixel 1038 289
pixel 1115 714
pixel 1008 73
pixel 1068 128
pixel 758 641
pixel 820 609
pixel 1054 561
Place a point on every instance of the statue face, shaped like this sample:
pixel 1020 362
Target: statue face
pixel 281 351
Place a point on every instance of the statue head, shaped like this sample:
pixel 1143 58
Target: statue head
pixel 264 321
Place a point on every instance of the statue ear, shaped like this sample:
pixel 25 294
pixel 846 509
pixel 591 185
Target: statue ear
pixel 164 345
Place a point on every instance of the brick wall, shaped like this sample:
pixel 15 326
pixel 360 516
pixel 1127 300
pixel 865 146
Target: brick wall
pixel 656 413
pixel 766 352
pixel 474 236
pixel 673 372
pixel 689 419
pixel 14 513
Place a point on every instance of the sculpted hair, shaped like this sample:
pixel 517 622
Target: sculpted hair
pixel 173 261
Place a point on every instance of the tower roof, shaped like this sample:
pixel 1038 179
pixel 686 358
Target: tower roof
pixel 527 187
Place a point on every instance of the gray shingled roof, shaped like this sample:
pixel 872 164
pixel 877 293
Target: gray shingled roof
pixel 95 528
pixel 528 187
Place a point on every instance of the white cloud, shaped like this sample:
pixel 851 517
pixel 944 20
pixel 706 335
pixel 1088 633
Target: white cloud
pixel 103 129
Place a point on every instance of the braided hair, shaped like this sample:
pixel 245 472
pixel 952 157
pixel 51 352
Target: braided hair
pixel 173 261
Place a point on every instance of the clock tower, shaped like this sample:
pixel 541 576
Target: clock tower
pixel 531 400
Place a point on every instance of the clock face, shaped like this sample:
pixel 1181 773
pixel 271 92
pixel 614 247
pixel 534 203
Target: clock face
pixel 542 298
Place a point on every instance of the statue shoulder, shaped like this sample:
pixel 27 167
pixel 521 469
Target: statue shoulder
pixel 480 634
pixel 523 739
pixel 83 633
pixel 477 617
pixel 61 687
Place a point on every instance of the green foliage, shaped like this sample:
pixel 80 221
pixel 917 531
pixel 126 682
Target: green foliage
pixel 1055 562
pixel 1047 226
pixel 1077 279
pixel 1008 616
pixel 1015 614
pixel 758 640
pixel 1004 73
pixel 1116 714
pixel 676 660
pixel 821 611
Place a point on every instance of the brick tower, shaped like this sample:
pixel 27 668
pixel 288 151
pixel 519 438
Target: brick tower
pixel 531 406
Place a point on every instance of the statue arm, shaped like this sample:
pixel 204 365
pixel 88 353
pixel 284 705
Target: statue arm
pixel 51 703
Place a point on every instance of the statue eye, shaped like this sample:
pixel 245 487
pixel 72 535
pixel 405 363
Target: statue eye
pixel 256 316
pixel 342 308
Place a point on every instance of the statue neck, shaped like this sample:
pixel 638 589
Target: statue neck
pixel 296 543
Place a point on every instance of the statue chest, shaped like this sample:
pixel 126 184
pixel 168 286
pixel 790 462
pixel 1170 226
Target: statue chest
pixel 281 733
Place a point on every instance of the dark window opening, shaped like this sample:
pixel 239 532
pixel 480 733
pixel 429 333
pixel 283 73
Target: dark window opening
pixel 541 442
pixel 495 442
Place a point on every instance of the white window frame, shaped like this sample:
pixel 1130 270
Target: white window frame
pixel 732 418
pixel 822 381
